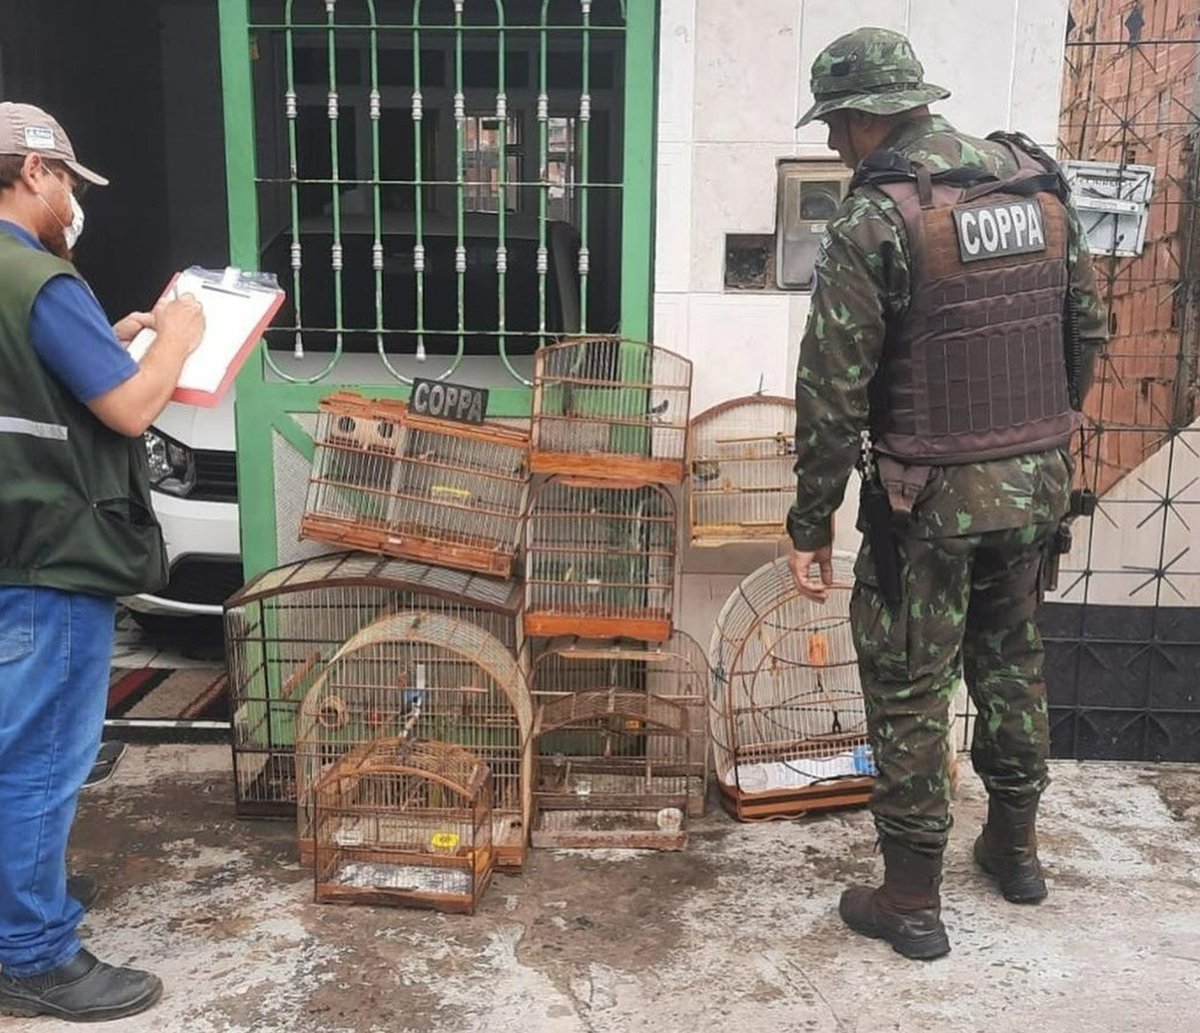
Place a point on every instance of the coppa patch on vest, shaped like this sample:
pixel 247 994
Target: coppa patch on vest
pixel 995 230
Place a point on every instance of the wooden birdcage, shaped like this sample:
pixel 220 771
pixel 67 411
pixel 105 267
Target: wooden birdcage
pixel 607 407
pixel 387 480
pixel 442 679
pixel 600 560
pixel 787 720
pixel 622 742
pixel 404 822
pixel 741 479
pixel 285 625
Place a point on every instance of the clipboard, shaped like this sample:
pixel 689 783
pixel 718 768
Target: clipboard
pixel 238 308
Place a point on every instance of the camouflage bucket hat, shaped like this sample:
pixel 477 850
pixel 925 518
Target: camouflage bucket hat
pixel 871 70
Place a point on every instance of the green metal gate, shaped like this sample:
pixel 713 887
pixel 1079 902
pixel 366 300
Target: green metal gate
pixel 442 186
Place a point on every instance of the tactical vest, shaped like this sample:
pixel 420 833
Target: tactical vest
pixel 976 369
pixel 75 509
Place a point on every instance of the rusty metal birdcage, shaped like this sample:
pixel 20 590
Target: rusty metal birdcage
pixel 404 822
pixel 611 408
pixel 600 560
pixel 741 478
pixel 621 742
pixel 284 626
pixel 442 679
pixel 787 718
pixel 388 480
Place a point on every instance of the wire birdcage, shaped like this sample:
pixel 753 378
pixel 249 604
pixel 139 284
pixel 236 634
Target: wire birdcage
pixel 439 678
pixel 611 408
pixel 787 719
pixel 622 742
pixel 388 480
pixel 741 479
pixel 285 625
pixel 404 822
pixel 600 560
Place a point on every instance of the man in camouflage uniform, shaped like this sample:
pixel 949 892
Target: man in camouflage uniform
pixel 969 536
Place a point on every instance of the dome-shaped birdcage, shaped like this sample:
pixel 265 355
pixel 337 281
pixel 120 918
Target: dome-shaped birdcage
pixel 787 717
pixel 431 677
pixel 741 481
pixel 403 821
pixel 286 623
pixel 613 408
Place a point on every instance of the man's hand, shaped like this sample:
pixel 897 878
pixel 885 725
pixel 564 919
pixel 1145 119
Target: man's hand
pixel 133 324
pixel 801 563
pixel 181 321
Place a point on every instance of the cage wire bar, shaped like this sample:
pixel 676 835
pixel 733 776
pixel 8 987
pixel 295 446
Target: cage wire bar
pixel 320 97
pixel 283 628
pixel 1122 632
pixel 438 678
pixel 787 716
pixel 405 823
pixel 740 467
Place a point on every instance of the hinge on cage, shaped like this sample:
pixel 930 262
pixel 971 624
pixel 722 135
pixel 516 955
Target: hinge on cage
pixel 460 107
pixel 375 105
pixel 502 259
pixel 543 108
pixel 417 111
pixel 502 113
pixel 419 258
pixel 333 105
pixel 377 255
pixel 584 261
pixel 289 104
pixel 542 260
pixel 585 108
pixel 335 256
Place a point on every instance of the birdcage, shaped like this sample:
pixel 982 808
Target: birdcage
pixel 607 407
pixel 388 480
pixel 621 742
pixel 437 678
pixel 787 718
pixel 600 560
pixel 741 479
pixel 404 822
pixel 285 625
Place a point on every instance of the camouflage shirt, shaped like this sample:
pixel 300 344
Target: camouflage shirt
pixel 861 287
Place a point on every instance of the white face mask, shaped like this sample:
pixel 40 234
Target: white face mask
pixel 71 231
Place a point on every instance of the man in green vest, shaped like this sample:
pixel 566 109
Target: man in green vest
pixel 77 532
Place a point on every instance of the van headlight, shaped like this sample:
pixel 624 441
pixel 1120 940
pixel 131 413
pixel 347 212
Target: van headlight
pixel 172 465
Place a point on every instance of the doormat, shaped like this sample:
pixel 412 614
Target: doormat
pixel 161 693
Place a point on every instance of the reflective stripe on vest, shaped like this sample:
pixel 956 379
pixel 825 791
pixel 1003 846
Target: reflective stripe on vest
pixel 33 429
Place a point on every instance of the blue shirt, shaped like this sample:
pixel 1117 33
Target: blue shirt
pixel 71 334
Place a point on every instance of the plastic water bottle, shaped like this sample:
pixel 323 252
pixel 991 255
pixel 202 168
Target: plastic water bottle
pixel 864 761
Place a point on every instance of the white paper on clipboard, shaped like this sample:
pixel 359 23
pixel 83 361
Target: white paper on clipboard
pixel 238 307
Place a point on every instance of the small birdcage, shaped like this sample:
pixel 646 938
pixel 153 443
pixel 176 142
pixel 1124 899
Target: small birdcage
pixel 607 407
pixel 622 742
pixel 388 480
pixel 741 478
pixel 285 625
pixel 787 719
pixel 600 560
pixel 433 677
pixel 404 822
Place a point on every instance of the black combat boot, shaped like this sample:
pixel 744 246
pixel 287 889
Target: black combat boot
pixel 1007 850
pixel 82 990
pixel 906 909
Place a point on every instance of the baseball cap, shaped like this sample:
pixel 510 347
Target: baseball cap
pixel 25 129
pixel 872 70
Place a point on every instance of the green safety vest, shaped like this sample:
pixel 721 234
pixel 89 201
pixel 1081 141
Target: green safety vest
pixel 75 509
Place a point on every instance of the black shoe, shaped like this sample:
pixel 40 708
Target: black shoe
pixel 1007 850
pixel 83 890
pixel 82 990
pixel 106 763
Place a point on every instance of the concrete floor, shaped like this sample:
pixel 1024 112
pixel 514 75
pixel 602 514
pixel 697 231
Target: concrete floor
pixel 739 933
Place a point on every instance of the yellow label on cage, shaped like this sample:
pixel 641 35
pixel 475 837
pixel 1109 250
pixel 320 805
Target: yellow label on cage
pixel 444 841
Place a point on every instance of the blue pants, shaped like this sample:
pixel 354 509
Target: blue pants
pixel 55 651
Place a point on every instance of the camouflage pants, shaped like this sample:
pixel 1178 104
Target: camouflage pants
pixel 967 606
